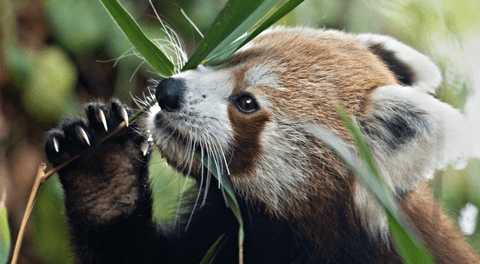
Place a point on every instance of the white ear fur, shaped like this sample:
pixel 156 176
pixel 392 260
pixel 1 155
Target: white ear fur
pixel 427 76
pixel 437 134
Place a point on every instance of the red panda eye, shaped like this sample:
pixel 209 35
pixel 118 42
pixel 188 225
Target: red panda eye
pixel 246 104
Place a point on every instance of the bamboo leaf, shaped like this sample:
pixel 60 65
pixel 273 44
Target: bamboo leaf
pixel 229 196
pixel 152 54
pixel 231 16
pixel 238 21
pixel 407 242
pixel 281 12
pixel 212 252
pixel 409 249
pixel 365 168
pixel 5 239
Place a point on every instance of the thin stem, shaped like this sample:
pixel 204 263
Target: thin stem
pixel 28 211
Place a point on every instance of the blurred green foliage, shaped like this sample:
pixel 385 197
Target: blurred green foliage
pixel 70 68
pixel 50 225
pixel 166 185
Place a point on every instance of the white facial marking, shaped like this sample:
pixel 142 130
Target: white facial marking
pixel 261 75
pixel 281 171
pixel 202 120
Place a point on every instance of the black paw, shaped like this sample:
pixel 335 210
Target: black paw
pixel 77 135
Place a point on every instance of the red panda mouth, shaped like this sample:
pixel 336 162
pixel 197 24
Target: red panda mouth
pixel 163 128
pixel 179 144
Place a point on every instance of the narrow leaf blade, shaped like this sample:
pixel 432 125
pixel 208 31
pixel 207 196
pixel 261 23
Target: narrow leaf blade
pixel 212 251
pixel 230 194
pixel 232 15
pixel 411 254
pixel 231 200
pixel 403 235
pixel 5 239
pixel 281 12
pixel 410 247
pixel 222 52
pixel 152 54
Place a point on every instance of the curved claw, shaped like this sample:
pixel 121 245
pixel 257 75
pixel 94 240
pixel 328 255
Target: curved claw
pixel 84 135
pixel 56 145
pixel 102 118
pixel 144 148
pixel 124 115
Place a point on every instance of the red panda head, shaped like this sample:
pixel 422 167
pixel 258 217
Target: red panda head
pixel 248 115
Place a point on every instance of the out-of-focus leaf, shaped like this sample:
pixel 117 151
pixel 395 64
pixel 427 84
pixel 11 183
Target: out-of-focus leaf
pixel 50 230
pixel 20 66
pixel 167 186
pixel 51 84
pixel 409 247
pixel 152 54
pixel 5 240
pixel 407 242
pixel 365 168
pixel 79 26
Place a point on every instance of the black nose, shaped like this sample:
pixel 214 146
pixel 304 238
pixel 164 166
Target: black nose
pixel 169 94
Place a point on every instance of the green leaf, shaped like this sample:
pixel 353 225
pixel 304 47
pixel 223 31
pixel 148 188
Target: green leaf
pixel 366 169
pixel 238 19
pixel 407 247
pixel 259 21
pixel 152 54
pixel 281 12
pixel 53 80
pixel 232 15
pixel 229 196
pixel 49 225
pixel 83 34
pixel 5 239
pixel 212 252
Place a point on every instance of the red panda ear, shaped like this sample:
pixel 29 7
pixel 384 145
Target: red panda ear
pixel 412 134
pixel 411 67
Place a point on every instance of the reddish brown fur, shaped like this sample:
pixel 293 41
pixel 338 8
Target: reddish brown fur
pixel 444 240
pixel 319 71
pixel 247 130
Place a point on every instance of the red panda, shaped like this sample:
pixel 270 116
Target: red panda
pixel 250 116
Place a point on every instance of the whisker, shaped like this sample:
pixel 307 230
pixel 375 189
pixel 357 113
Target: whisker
pixel 185 161
pixel 200 188
pixel 116 60
pixel 138 101
pixel 209 174
pixel 191 22
pixel 223 153
pixel 217 164
pixel 136 70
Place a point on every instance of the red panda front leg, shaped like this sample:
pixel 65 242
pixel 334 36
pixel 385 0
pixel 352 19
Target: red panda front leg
pixel 107 196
